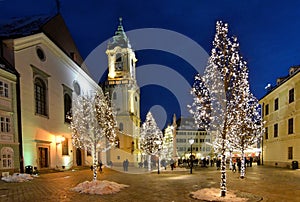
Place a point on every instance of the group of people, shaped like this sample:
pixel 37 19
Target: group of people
pixel 99 165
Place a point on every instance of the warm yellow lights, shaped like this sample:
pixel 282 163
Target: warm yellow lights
pixel 112 74
pixel 59 139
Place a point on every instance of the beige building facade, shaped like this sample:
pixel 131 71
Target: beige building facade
pixel 9 133
pixel 281 113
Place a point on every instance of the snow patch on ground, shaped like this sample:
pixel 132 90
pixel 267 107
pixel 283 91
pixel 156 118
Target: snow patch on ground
pixel 17 177
pixel 99 187
pixel 213 194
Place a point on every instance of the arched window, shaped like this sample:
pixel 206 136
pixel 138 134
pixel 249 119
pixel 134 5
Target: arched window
pixel 40 94
pixel 7 154
pixel 67 107
pixel 114 95
pixel 119 63
pixel 118 57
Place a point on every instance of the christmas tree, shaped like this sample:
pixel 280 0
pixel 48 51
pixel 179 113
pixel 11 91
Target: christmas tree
pixel 151 138
pixel 223 103
pixel 93 125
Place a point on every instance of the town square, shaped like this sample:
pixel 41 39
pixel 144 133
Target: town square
pixel 139 101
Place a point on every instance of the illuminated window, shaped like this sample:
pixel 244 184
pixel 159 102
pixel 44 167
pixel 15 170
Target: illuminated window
pixel 3 89
pixel 7 154
pixel 40 93
pixel 65 147
pixel 5 124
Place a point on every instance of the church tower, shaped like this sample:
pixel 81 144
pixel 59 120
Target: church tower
pixel 123 89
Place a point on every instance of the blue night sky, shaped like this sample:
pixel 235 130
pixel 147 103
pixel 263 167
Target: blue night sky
pixel 268 33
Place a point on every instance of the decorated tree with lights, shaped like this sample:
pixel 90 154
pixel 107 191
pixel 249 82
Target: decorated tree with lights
pixel 93 125
pixel 167 147
pixel 151 138
pixel 248 118
pixel 217 104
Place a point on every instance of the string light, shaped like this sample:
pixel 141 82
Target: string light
pixel 223 103
pixel 93 125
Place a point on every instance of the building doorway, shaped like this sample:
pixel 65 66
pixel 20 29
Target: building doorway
pixel 43 157
pixel 78 157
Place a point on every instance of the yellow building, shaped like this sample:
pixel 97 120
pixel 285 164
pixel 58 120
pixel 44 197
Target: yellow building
pixel 281 113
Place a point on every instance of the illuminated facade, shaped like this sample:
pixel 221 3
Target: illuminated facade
pixel 281 113
pixel 9 134
pixel 50 73
pixel 187 129
pixel 124 92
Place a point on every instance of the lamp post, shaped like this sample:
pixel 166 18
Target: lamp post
pixel 191 141
pixel 158 142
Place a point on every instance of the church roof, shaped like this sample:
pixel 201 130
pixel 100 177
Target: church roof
pixel 120 38
pixel 52 25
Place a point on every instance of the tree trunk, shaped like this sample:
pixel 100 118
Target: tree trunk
pixel 95 163
pixel 230 160
pixel 223 170
pixel 242 175
pixel 149 162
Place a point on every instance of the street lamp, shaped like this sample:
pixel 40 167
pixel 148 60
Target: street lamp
pixel 191 141
pixel 158 142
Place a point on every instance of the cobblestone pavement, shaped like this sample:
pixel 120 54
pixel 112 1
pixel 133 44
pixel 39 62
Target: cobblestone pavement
pixel 261 183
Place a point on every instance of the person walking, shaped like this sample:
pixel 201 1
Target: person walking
pixel 239 164
pixel 233 168
pixel 100 166
pixel 126 164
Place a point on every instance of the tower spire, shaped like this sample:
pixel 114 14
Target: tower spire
pixel 120 38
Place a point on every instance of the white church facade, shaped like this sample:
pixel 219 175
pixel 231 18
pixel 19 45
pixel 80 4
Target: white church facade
pixel 50 72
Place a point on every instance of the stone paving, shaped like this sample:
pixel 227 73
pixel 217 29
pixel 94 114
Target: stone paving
pixel 261 184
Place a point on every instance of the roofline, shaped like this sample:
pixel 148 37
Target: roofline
pixel 277 86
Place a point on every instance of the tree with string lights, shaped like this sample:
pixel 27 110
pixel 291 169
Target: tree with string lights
pixel 248 118
pixel 93 125
pixel 151 137
pixel 222 102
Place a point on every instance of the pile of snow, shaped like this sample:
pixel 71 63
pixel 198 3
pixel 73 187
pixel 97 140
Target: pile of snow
pixel 17 177
pixel 213 194
pixel 99 187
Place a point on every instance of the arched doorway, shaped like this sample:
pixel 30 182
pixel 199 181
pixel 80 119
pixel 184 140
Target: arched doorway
pixel 78 157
